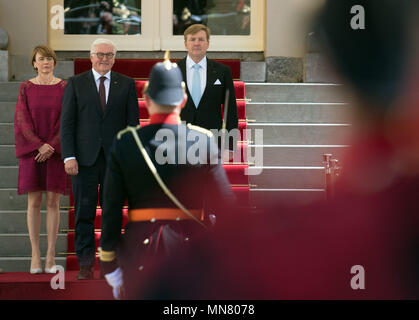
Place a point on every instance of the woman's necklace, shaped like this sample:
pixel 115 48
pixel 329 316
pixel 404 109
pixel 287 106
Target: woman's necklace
pixel 37 80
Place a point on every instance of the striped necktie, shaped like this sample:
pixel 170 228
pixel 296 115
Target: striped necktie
pixel 102 93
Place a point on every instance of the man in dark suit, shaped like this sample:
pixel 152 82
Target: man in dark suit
pixel 207 82
pixel 96 105
pixel 163 214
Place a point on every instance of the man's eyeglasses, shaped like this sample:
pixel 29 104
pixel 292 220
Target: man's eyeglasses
pixel 101 55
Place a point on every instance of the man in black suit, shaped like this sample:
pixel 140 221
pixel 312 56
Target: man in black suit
pixel 207 82
pixel 96 105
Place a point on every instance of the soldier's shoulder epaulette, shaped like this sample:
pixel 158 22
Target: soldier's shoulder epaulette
pixel 127 129
pixel 200 129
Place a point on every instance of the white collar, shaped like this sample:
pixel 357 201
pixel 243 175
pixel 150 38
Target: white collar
pixel 97 75
pixel 190 63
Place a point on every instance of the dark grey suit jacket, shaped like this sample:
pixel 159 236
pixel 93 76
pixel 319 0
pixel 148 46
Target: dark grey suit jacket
pixel 85 128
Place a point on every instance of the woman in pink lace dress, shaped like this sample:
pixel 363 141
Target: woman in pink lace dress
pixel 37 133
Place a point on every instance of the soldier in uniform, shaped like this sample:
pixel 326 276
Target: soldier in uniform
pixel 167 170
pixel 364 242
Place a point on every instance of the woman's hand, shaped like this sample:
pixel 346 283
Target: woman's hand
pixel 45 152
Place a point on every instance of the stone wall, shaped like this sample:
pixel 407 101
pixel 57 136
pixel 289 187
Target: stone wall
pixel 4 56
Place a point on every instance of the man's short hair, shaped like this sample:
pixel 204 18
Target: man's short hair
pixel 44 51
pixel 195 28
pixel 99 41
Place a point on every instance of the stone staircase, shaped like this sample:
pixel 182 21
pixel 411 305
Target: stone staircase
pixel 300 123
pixel 15 249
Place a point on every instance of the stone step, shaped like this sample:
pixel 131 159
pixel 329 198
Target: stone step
pixel 23 264
pixel 8 155
pixel 253 71
pixel 9 91
pixel 10 200
pixel 300 113
pixel 295 92
pixel 15 221
pixel 258 92
pixel 261 198
pixel 299 133
pixel 7 112
pixel 8 176
pixel 295 155
pixel 7 133
pixel 19 245
pixel 287 177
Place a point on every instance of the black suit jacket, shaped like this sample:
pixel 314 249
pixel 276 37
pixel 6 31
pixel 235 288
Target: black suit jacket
pixel 129 177
pixel 208 114
pixel 85 128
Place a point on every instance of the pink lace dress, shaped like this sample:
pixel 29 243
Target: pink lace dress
pixel 37 121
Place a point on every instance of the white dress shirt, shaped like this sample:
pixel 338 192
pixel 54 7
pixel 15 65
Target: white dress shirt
pixel 107 84
pixel 202 73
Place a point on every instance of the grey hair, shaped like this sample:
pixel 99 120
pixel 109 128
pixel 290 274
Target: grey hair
pixel 99 41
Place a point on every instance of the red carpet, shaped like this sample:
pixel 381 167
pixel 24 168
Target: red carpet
pixel 139 69
pixel 241 109
pixel 24 286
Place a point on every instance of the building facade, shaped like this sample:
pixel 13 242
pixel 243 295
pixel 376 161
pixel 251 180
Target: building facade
pixel 269 36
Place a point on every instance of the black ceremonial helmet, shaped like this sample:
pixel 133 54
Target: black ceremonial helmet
pixel 166 86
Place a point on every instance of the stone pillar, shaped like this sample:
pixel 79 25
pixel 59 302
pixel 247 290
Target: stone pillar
pixel 313 60
pixel 4 56
pixel 316 65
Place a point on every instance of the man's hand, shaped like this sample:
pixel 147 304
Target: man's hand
pixel 114 279
pixel 71 167
pixel 45 152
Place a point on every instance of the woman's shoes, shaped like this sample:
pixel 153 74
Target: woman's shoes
pixel 35 262
pixel 35 270
pixel 53 269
